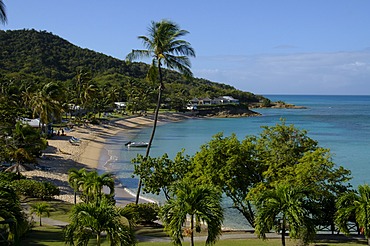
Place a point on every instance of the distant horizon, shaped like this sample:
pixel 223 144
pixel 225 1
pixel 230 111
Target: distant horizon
pixel 271 47
pixel 344 95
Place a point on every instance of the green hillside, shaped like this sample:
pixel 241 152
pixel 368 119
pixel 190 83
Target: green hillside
pixel 41 57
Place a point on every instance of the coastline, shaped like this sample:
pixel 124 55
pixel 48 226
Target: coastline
pixel 61 155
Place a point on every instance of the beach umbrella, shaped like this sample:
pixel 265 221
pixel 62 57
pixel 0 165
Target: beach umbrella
pixel 17 168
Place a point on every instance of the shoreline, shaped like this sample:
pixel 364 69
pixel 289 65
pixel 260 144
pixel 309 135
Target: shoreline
pixel 61 155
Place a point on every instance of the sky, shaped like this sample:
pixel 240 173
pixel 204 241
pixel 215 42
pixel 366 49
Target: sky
pixel 309 47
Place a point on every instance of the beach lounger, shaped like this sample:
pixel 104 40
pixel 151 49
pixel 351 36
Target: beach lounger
pixel 74 142
pixel 75 139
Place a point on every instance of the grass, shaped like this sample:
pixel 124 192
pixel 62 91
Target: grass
pixel 255 242
pixel 53 235
pixel 59 210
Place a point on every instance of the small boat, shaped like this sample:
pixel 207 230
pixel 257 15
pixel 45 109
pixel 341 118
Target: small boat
pixel 137 144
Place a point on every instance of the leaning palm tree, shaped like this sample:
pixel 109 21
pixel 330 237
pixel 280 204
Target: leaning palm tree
pixel 352 204
pixel 3 18
pixel 286 204
pixel 166 49
pixel 201 202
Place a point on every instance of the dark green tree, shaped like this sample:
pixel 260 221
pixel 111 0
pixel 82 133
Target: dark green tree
pixel 238 169
pixel 158 174
pixel 166 49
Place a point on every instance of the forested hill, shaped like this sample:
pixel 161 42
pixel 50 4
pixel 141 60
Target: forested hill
pixel 42 56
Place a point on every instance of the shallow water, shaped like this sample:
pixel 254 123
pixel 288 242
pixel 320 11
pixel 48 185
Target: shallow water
pixel 340 123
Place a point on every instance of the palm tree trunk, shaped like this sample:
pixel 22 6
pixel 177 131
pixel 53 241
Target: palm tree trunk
pixel 160 90
pixel 40 221
pixel 192 230
pixel 75 196
pixel 283 232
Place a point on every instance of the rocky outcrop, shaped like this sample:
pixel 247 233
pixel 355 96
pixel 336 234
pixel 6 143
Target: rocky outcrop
pixel 227 111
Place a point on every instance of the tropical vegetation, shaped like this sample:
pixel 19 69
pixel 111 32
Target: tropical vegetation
pixel 14 222
pixel 164 45
pixel 201 202
pixel 97 213
pixel 262 175
pixel 354 206
pixel 281 179
pixel 39 209
pixel 288 205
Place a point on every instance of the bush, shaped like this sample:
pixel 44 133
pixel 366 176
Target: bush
pixel 146 213
pixel 33 188
pixel 9 176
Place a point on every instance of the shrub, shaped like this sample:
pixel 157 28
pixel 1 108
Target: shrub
pixel 33 188
pixel 146 213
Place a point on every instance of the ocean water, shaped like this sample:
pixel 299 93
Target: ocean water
pixel 340 123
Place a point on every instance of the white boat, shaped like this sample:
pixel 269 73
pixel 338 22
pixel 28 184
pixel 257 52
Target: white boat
pixel 136 144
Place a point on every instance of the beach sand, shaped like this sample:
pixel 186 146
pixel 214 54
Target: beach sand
pixel 61 154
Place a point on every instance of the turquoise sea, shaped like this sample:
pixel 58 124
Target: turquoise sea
pixel 340 123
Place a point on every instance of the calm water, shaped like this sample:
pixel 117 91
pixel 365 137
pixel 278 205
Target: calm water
pixel 341 123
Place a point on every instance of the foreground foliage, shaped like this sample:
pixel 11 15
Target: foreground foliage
pixel 355 207
pixel 287 204
pixel 94 218
pixel 201 202
pixel 14 221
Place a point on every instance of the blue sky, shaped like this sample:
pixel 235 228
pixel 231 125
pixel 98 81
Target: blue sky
pixel 261 46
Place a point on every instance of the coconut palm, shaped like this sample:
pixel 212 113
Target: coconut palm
pixel 164 46
pixel 3 18
pixel 40 208
pixel 353 204
pixel 46 103
pixel 201 202
pixel 92 219
pixel 286 204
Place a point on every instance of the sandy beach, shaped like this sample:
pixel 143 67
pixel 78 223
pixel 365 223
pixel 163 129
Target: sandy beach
pixel 61 154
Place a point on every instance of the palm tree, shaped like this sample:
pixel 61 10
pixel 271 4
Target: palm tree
pixel 11 212
pixel 350 205
pixel 46 103
pixel 288 204
pixel 93 184
pixel 166 49
pixel 3 18
pixel 74 179
pixel 201 202
pixel 40 208
pixel 92 219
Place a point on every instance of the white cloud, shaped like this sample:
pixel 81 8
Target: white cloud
pixel 303 73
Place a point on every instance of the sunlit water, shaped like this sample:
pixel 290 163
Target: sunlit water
pixel 340 123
